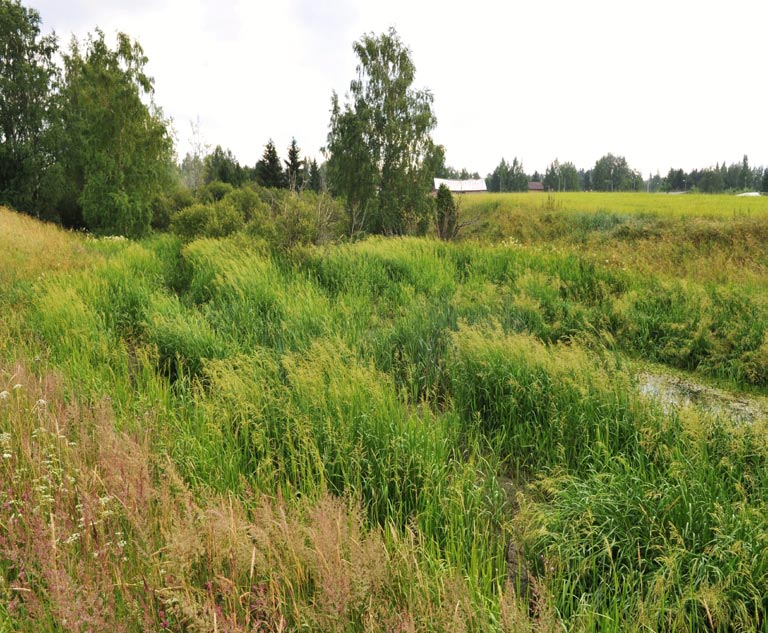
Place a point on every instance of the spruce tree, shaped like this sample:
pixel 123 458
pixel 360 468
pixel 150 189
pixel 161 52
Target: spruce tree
pixel 293 168
pixel 269 173
pixel 315 182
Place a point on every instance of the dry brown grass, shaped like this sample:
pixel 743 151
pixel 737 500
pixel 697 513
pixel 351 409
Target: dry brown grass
pixel 99 533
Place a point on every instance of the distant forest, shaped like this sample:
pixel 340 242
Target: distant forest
pixel 612 173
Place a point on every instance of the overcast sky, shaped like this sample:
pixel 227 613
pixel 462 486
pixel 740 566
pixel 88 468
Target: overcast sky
pixel 665 83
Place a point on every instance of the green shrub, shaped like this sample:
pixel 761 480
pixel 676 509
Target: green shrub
pixel 215 191
pixel 216 219
pixel 446 214
pixel 164 205
pixel 248 202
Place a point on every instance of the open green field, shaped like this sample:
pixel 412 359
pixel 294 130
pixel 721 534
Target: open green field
pixel 658 204
pixel 394 434
pixel 706 239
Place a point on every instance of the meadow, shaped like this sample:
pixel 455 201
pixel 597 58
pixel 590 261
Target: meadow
pixel 393 434
pixel 664 205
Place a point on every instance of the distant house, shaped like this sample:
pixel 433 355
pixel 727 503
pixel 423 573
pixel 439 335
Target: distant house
pixel 462 186
pixel 535 186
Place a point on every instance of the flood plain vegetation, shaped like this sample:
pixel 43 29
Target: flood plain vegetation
pixel 392 434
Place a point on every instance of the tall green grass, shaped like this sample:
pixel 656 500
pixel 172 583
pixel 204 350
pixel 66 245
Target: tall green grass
pixel 403 427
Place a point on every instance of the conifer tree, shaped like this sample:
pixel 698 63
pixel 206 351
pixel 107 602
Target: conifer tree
pixel 269 173
pixel 294 173
pixel 315 182
pixel 446 214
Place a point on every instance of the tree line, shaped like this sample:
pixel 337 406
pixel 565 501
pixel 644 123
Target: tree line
pixel 295 173
pixel 717 179
pixel 613 173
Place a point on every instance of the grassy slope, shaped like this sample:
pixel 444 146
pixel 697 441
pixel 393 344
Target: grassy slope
pixel 340 423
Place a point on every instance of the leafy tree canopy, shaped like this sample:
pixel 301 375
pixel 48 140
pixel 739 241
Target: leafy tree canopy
pixel 507 177
pixel 612 173
pixel 380 149
pixel 561 176
pixel 117 152
pixel 222 166
pixel 27 75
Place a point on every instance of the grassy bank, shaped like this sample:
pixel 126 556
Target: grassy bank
pixel 394 434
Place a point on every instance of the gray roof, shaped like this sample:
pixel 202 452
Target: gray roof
pixel 461 186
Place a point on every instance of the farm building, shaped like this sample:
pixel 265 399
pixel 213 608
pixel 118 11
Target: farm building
pixel 535 186
pixel 462 186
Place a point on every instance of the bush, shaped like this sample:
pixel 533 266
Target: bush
pixel 215 191
pixel 248 202
pixel 164 205
pixel 297 218
pixel 216 219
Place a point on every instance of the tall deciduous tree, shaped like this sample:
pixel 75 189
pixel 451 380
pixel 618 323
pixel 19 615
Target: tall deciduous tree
pixel 27 74
pixel 380 150
pixel 269 172
pixel 192 169
pixel 612 173
pixel 561 176
pixel 117 151
pixel 507 177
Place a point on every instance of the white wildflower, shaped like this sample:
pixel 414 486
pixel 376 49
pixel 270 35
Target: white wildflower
pixel 7 456
pixel 4 395
pixel 16 387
